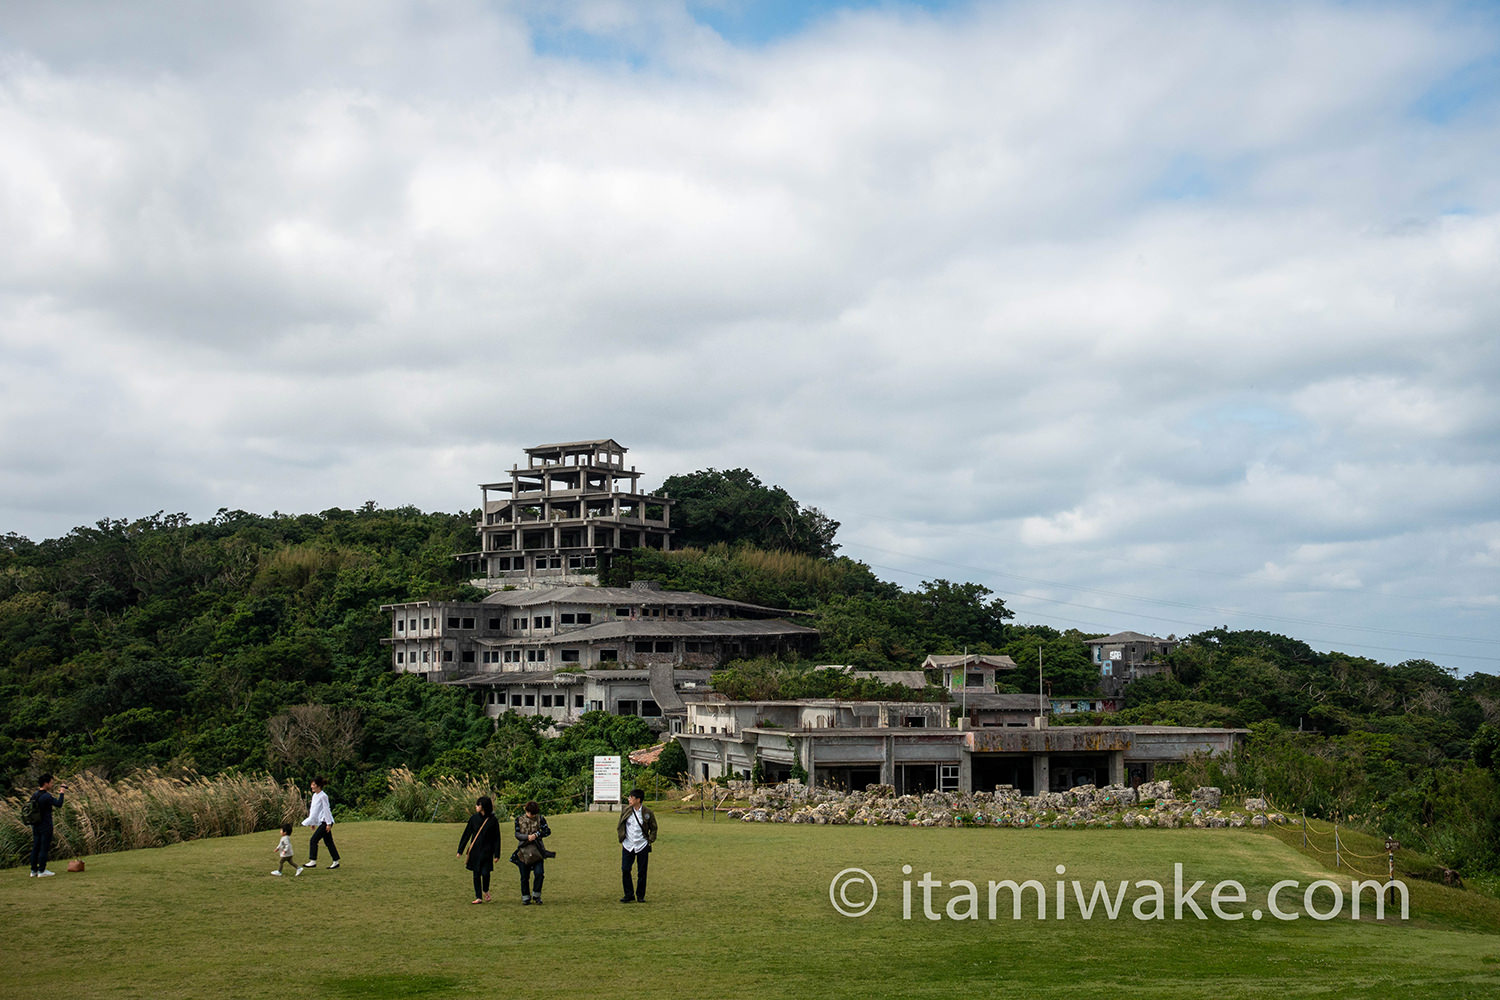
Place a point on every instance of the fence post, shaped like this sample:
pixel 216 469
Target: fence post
pixel 1304 828
pixel 1336 859
pixel 1390 868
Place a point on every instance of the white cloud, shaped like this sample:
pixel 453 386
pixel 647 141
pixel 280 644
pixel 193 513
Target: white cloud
pixel 1192 303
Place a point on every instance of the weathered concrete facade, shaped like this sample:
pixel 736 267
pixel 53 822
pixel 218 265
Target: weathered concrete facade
pixel 853 744
pixel 563 516
pixel 562 695
pixel 552 628
pixel 1129 656
pixel 974 672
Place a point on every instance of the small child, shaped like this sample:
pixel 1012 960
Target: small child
pixel 284 851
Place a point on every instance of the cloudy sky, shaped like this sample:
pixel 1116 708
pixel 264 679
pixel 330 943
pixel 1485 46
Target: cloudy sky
pixel 1156 316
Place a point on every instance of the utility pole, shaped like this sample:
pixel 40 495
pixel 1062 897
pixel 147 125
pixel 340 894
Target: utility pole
pixel 1041 695
pixel 963 697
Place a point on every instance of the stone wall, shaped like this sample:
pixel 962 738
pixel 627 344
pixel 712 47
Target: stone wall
pixel 1153 804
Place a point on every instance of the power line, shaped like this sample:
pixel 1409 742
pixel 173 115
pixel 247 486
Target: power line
pixel 1195 607
pixel 1018 596
pixel 1114 557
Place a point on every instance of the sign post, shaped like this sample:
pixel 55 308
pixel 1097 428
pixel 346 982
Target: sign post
pixel 607 779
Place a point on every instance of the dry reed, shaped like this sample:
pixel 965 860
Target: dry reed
pixel 447 800
pixel 151 809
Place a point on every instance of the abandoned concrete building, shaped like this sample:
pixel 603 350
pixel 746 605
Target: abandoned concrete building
pixel 564 516
pixel 967 671
pixel 548 642
pixel 561 696
pixel 581 628
pixel 912 746
pixel 1129 656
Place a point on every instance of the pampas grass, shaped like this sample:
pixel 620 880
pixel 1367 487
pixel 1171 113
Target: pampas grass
pixel 447 800
pixel 151 809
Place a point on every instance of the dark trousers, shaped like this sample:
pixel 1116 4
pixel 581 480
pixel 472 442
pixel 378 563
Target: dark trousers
pixel 481 882
pixel 527 871
pixel 628 858
pixel 41 846
pixel 283 862
pixel 326 835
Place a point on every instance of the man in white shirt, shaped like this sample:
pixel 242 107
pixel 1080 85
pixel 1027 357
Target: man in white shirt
pixel 321 816
pixel 637 830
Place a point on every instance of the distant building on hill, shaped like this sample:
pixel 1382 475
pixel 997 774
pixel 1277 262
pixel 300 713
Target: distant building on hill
pixel 548 640
pixel 1129 656
pixel 968 671
pixel 582 628
pixel 564 516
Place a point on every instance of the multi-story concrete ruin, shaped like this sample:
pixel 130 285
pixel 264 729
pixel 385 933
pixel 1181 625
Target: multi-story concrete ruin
pixel 580 628
pixel 565 515
pixel 548 640
pixel 913 747
pixel 1129 656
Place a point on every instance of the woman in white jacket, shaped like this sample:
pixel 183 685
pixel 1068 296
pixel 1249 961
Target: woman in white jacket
pixel 321 816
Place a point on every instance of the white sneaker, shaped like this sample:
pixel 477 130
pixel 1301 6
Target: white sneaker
pixel 310 864
pixel 299 871
pixel 276 871
pixel 32 874
pixel 333 866
pixel 45 874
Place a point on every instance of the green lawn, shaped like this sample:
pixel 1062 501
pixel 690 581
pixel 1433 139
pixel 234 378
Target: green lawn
pixel 735 910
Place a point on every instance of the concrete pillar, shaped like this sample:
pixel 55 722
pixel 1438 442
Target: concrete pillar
pixel 888 762
pixel 806 752
pixel 1117 767
pixel 1041 774
pixel 965 771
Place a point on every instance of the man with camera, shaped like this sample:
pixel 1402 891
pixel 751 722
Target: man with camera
pixel 43 802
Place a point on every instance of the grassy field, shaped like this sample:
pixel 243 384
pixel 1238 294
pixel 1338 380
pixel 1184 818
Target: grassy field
pixel 735 910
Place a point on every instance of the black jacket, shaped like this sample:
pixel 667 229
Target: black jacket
pixel 484 831
pixel 45 802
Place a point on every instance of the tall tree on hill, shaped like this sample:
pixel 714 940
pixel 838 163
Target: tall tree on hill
pixel 734 506
pixel 961 614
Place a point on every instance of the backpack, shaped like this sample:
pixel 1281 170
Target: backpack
pixel 29 812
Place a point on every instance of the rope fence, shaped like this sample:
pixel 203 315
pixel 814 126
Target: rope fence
pixel 1337 850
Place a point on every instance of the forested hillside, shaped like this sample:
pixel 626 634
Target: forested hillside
pixel 252 642
pixel 166 641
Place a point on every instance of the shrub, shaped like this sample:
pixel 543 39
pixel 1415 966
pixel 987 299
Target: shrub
pixel 445 800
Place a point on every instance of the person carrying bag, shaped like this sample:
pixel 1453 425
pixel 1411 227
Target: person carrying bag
pixel 482 838
pixel 531 852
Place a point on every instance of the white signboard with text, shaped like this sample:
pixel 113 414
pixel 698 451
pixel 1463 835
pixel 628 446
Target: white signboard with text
pixel 606 779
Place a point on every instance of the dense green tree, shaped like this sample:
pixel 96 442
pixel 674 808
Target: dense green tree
pixel 960 615
pixel 162 641
pixel 1063 657
pixel 735 507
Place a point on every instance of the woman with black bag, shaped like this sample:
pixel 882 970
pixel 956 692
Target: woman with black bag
pixel 531 828
pixel 482 840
